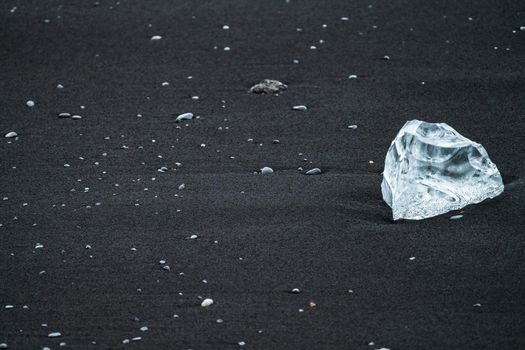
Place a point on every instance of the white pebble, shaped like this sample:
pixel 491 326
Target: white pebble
pixel 300 108
pixel 227 48
pixel 156 37
pixel 30 103
pixel 352 76
pixel 266 170
pixel 184 116
pixel 11 134
pixel 54 335
pixel 225 27
pixel 344 18
pixel 181 186
pixel 314 171
pixel 456 217
pixel 207 302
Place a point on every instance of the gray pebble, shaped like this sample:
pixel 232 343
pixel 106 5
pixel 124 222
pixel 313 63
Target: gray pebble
pixel 268 86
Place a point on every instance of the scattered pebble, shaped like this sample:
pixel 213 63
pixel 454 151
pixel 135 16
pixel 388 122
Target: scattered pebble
pixel 456 217
pixel 296 291
pixel 352 76
pixel 156 37
pixel 76 116
pixel 353 126
pixel 54 335
pixel 64 115
pixel 30 103
pixel 266 170
pixel 184 116
pixel 268 86
pixel 207 302
pixel 242 343
pixel 313 171
pixel 300 108
pixel 11 134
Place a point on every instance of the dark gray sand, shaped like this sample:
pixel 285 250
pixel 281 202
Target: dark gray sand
pixel 90 205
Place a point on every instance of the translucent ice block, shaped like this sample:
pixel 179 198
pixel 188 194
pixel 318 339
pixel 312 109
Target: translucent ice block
pixel 431 169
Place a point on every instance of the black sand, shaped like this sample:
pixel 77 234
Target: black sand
pixel 324 234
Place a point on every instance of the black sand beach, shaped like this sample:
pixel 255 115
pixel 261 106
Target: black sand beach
pixel 86 216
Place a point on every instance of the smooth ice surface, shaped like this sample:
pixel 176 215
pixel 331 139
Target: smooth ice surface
pixel 431 169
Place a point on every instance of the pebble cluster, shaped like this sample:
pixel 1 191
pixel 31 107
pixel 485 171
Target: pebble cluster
pixel 98 188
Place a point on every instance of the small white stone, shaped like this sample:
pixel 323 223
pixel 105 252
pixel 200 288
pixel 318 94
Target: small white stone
pixel 125 341
pixel 76 116
pixel 227 48
pixel 313 171
pixel 144 329
pixel 412 258
pixel 266 170
pixel 207 302
pixel 353 126
pixel 165 83
pixel 300 108
pixel 184 116
pixel 225 27
pixel 9 306
pixel 64 115
pixel 194 237
pixel 30 103
pixel 242 343
pixel 54 335
pixel 296 291
pixel 156 37
pixel 522 28
pixel 3 345
pixel 181 186
pixel 136 339
pixel 352 76
pixel 11 134
pixel 344 18
pixel 60 86
pixel 456 217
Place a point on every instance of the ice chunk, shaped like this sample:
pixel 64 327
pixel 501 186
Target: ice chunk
pixel 431 169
